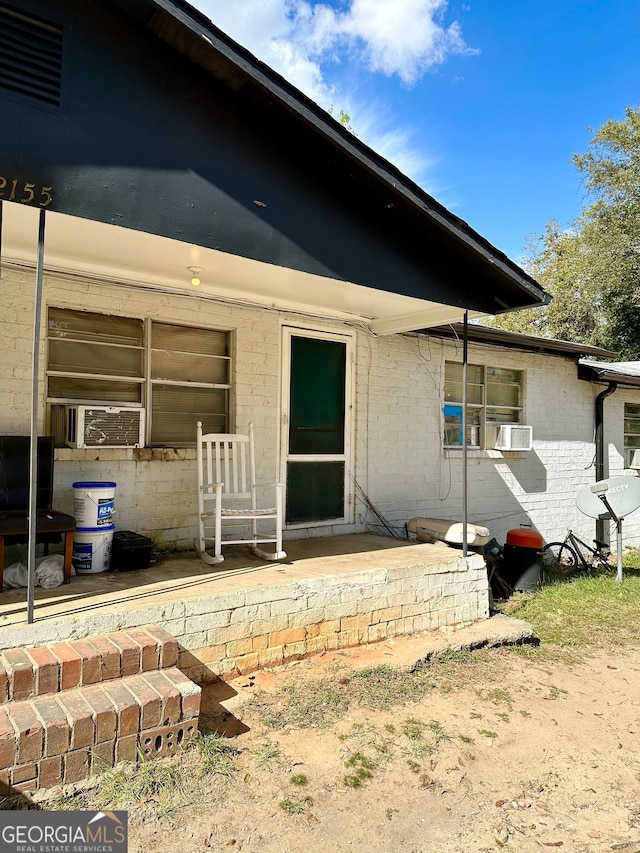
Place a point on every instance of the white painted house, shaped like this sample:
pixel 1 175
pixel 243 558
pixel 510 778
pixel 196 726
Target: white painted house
pixel 203 242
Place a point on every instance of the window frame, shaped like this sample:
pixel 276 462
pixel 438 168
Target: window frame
pixel 627 449
pixel 487 427
pixel 146 381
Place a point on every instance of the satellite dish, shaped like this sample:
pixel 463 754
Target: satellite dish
pixel 622 494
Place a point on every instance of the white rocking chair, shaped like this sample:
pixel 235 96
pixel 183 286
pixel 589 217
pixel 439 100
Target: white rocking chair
pixel 225 474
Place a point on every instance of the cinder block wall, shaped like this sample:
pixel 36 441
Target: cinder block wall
pixel 399 462
pixel 252 629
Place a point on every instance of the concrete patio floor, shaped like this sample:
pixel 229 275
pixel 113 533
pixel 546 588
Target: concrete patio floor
pixel 176 577
pixel 180 577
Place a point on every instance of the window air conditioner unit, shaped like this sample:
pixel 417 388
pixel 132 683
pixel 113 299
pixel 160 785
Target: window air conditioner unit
pixel 514 437
pixel 104 426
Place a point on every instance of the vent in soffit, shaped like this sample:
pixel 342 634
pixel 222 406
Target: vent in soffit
pixel 30 55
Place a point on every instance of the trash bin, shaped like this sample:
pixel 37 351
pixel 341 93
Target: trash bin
pixel 522 567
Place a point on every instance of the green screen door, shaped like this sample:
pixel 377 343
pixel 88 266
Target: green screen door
pixel 316 451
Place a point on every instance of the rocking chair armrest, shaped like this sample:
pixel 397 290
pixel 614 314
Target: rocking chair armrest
pixel 212 486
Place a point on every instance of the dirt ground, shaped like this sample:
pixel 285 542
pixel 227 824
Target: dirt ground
pixel 511 750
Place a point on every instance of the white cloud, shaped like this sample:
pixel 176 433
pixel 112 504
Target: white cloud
pixel 308 41
pixel 396 144
pixel 403 37
pixel 279 32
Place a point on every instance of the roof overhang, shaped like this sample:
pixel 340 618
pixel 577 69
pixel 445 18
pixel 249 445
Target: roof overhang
pixel 89 250
pixel 623 373
pixel 527 343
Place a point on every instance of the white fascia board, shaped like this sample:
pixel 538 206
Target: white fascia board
pixel 438 315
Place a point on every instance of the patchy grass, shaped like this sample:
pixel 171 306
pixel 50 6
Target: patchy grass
pixel 319 703
pixel 268 754
pixel 498 695
pixel 158 788
pixel 292 806
pixel 413 729
pixel 631 558
pixel 216 755
pixel 487 733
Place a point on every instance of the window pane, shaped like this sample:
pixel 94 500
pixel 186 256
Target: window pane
pixel 631 435
pixel 453 372
pixel 166 364
pixel 503 416
pixel 87 326
pixel 503 395
pixel 500 374
pixel 631 458
pixel 189 340
pixel 98 391
pixel 453 393
pixel 73 357
pixel 453 426
pixel 453 383
pixel 176 410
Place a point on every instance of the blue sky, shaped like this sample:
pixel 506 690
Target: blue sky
pixel 481 103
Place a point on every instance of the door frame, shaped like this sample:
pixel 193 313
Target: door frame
pixel 290 330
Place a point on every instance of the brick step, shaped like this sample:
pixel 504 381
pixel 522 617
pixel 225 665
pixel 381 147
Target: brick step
pixel 59 738
pixel 29 672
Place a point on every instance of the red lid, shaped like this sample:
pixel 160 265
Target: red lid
pixel 525 537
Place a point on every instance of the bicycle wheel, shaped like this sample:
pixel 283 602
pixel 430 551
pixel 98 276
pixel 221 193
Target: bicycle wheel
pixel 559 558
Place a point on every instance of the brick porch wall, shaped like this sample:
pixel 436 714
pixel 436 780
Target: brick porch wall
pixel 71 710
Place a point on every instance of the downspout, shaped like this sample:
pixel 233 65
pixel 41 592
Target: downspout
pixel 602 524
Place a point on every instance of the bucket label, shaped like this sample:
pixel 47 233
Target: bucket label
pixel 82 555
pixel 89 512
pixel 105 510
pixel 93 556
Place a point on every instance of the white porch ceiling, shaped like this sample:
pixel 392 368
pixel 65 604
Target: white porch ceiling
pixel 95 250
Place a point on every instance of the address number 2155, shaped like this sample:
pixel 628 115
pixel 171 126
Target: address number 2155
pixel 25 193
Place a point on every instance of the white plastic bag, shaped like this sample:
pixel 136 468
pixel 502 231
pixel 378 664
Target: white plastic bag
pixel 15 576
pixel 49 573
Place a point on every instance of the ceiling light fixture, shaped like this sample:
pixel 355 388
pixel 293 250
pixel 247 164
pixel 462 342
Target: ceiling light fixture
pixel 195 275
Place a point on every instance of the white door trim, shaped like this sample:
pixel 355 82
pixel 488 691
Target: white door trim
pixel 349 339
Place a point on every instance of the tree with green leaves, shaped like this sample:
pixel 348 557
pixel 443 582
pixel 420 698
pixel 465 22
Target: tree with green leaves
pixel 592 269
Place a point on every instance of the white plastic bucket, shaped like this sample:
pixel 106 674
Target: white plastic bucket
pixel 93 504
pixel 92 550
